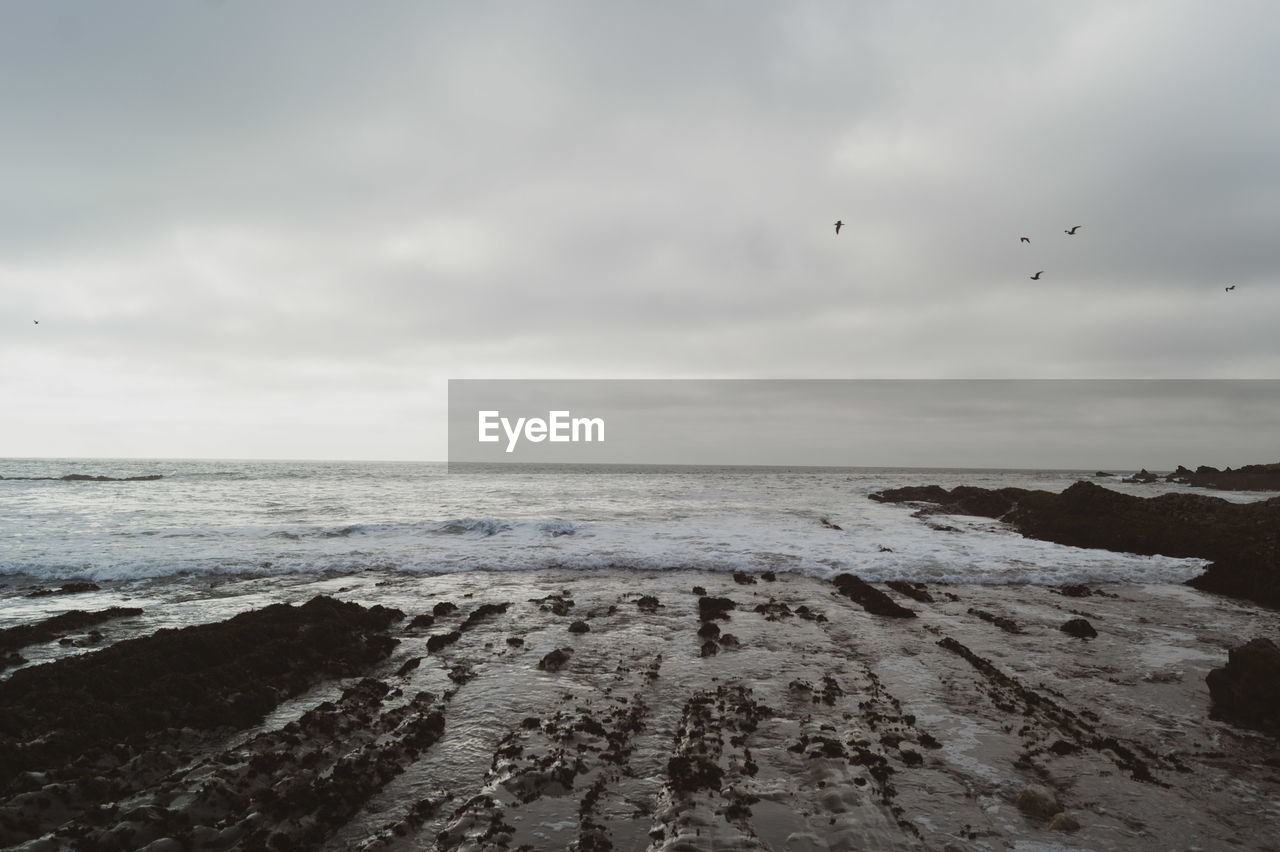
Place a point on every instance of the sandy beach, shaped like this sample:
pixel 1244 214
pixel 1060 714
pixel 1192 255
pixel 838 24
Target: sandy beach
pixel 668 710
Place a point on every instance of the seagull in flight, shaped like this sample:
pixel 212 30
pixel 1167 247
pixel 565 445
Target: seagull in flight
pixel 1072 229
pixel 1025 239
pixel 37 322
pixel 839 225
pixel 1229 289
pixel 1036 277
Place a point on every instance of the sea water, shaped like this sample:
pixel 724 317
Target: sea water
pixel 277 518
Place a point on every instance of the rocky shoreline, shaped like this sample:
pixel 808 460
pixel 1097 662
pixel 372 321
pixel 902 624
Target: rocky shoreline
pixel 1242 540
pixel 677 710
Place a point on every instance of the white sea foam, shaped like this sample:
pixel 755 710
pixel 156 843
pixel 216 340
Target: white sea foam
pixel 207 518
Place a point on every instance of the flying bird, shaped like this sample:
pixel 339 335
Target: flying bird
pixel 1036 277
pixel 1072 229
pixel 37 322
pixel 839 225
pixel 1232 287
pixel 1025 239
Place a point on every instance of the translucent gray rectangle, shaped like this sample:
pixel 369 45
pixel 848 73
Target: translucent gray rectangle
pixel 1051 424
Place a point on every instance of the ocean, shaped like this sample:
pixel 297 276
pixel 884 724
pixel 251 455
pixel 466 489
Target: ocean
pixel 209 519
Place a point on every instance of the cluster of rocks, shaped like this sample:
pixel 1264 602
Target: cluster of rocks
pixel 1251 477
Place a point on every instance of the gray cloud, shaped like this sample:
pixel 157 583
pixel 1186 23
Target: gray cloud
pixel 316 198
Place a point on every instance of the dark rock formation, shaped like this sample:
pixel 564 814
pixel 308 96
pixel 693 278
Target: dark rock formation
pixel 1143 476
pixel 13 638
pixel 204 677
pixel 1008 625
pixel 872 599
pixel 1242 539
pixel 71 587
pixel 555 660
pixel 1080 628
pixel 648 603
pixel 713 608
pixel 1251 477
pixel 1247 689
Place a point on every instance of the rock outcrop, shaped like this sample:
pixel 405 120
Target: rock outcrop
pixel 1251 477
pixel 1247 689
pixel 1241 539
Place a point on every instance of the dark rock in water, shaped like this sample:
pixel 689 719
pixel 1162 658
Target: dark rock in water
pixel 709 630
pixel 1247 689
pixel 648 603
pixel 444 608
pixel 482 612
pixel 1008 625
pixel 913 494
pixel 554 604
pixel 1251 477
pixel 827 523
pixel 69 588
pixel 1143 477
pixel 442 640
pixel 709 648
pixel 699 590
pixel 1075 590
pixel 769 577
pixel 713 608
pixel 579 627
pixel 420 622
pixel 1103 473
pixel 1080 628
pixel 961 500
pixel 408 666
pixel 555 661
pixel 872 599
pixel 1243 539
pixel 743 579
pixel 515 641
pixel 12 638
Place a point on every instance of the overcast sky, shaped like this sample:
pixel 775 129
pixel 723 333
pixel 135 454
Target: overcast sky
pixel 276 229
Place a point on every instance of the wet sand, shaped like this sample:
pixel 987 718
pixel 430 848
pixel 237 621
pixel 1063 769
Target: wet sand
pixel 685 710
